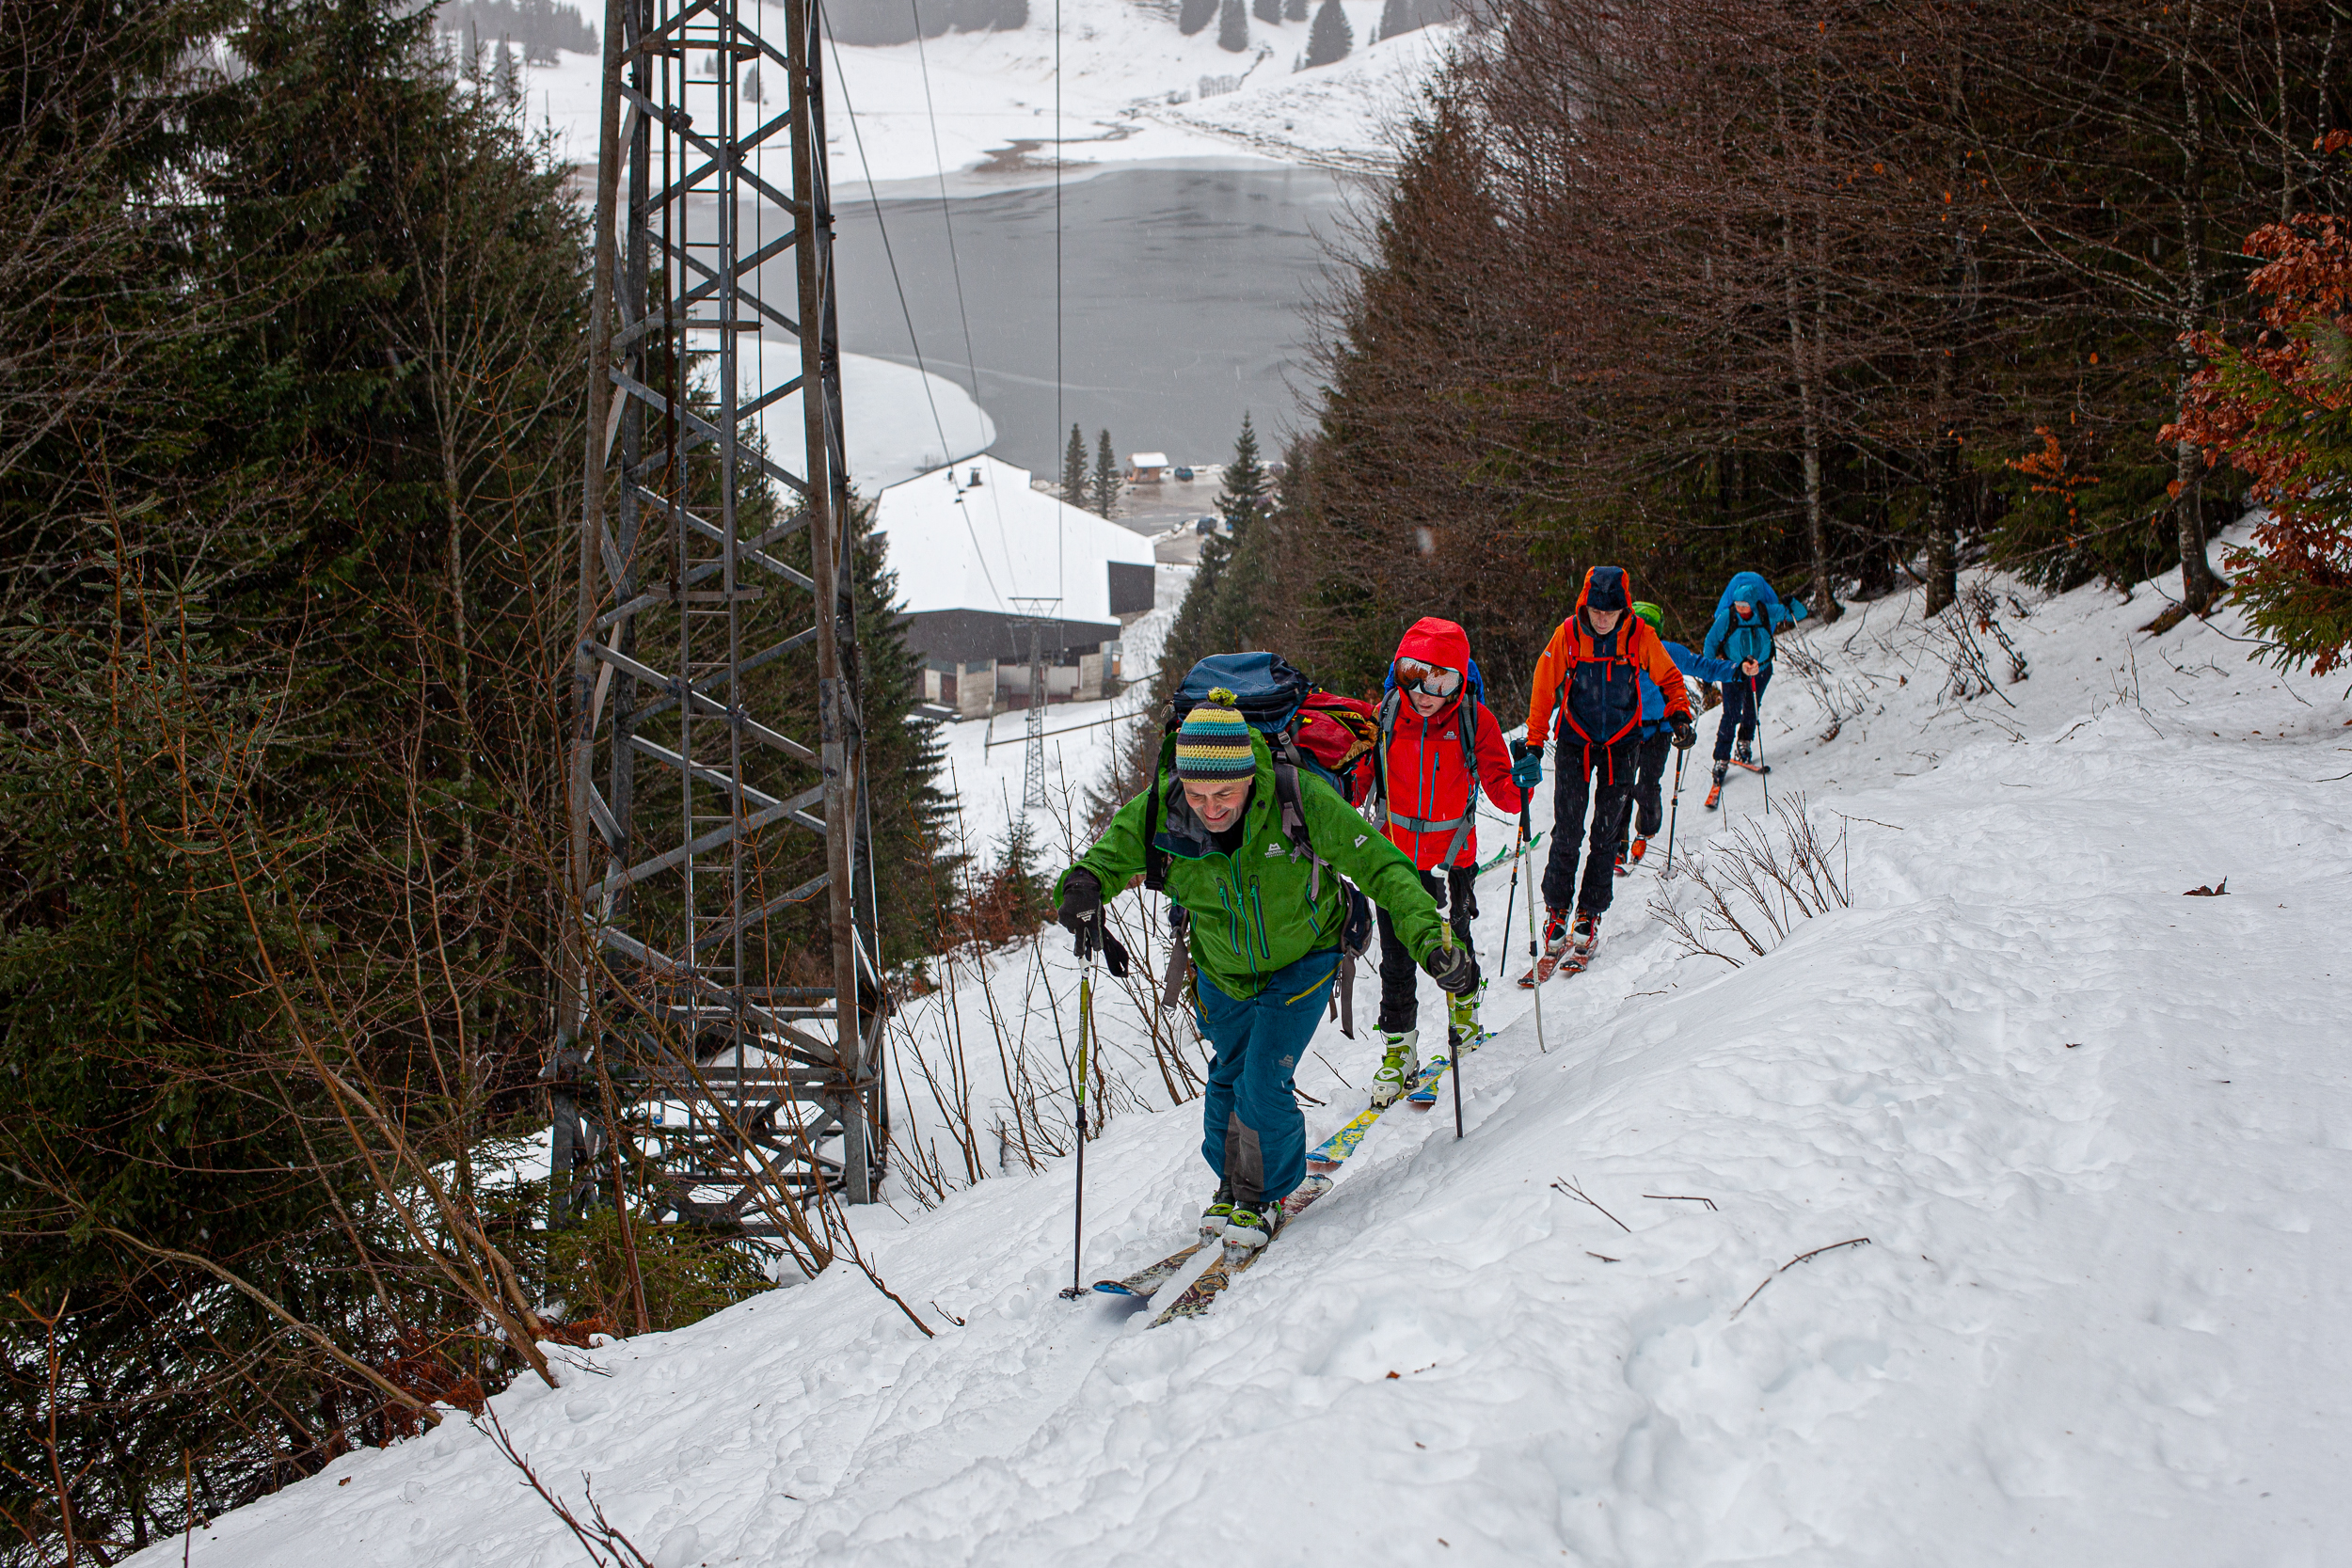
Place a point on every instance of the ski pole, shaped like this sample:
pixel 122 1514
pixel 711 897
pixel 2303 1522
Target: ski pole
pixel 1676 811
pixel 1541 1048
pixel 1755 717
pixel 1085 1038
pixel 1452 1026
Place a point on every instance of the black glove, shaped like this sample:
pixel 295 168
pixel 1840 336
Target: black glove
pixel 1455 969
pixel 1081 912
pixel 1686 733
pixel 1081 915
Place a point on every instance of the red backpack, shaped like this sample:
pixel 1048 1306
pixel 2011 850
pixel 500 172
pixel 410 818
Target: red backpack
pixel 1343 735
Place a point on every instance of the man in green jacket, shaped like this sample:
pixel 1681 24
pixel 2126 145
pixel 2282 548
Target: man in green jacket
pixel 1265 936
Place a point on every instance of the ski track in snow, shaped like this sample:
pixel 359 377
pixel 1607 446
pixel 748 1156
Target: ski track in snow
pixel 2096 1134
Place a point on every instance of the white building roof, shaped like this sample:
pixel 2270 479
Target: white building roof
pixel 1148 459
pixel 959 546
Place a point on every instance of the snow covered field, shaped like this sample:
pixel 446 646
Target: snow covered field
pixel 2098 1136
pixel 1121 65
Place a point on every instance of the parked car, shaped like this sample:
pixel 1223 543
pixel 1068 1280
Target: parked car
pixel 1185 474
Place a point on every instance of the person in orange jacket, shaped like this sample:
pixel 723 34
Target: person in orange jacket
pixel 1438 743
pixel 1590 676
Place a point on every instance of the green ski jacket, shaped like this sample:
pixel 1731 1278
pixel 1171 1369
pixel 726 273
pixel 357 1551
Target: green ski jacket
pixel 1253 912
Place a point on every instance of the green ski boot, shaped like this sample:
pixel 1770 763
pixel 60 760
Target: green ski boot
pixel 1220 1209
pixel 1399 1064
pixel 1253 1227
pixel 1461 1016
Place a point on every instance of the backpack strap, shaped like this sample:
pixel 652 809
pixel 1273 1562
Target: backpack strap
pixel 1466 722
pixel 1155 857
pixel 1294 819
pixel 1380 753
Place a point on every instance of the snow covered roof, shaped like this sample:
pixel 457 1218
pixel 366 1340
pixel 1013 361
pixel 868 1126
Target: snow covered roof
pixel 1148 459
pixel 958 545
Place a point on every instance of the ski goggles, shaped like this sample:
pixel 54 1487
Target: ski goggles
pixel 1430 680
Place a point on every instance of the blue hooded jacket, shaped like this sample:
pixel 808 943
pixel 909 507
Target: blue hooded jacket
pixel 1734 639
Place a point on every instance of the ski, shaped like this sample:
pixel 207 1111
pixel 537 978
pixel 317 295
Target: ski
pixel 1753 767
pixel 1425 1091
pixel 1201 1292
pixel 1501 855
pixel 1143 1282
pixel 1714 797
pixel 1326 1156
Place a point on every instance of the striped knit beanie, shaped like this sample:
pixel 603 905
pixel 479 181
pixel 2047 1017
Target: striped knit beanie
pixel 1213 741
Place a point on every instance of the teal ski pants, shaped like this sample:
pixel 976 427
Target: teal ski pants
pixel 1254 1136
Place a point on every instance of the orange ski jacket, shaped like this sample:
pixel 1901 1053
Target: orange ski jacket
pixel 1592 683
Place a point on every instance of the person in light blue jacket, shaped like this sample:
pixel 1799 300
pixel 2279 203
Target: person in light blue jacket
pixel 1741 634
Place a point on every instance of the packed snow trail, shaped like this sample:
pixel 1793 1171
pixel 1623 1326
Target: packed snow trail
pixel 2098 1135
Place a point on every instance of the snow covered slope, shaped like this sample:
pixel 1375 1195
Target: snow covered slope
pixel 1130 91
pixel 2098 1136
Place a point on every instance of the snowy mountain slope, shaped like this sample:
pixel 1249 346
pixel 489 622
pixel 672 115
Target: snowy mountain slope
pixel 2095 1133
pixel 1131 87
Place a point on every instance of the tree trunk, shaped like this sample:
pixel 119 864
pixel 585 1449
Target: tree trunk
pixel 2199 583
pixel 1943 496
pixel 1805 368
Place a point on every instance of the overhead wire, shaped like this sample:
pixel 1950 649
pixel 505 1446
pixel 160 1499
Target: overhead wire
pixel 873 197
pixel 939 163
pixel 1058 529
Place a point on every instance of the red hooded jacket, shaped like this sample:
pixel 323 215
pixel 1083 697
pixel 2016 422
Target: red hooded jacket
pixel 1422 767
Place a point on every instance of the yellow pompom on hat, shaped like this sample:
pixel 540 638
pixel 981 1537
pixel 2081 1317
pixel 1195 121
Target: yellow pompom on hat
pixel 1213 740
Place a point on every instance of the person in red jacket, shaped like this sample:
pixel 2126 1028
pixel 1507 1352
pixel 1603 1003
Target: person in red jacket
pixel 1434 736
pixel 1590 676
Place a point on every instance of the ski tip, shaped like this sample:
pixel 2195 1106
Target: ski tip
pixel 1112 1287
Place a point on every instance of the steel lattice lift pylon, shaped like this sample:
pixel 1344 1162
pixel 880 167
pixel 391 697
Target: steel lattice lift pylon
pixel 1036 615
pixel 709 1033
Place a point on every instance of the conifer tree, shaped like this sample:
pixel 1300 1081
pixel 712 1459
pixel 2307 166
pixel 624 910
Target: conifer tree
pixel 1193 15
pixel 1248 486
pixel 1397 18
pixel 1073 470
pixel 1293 10
pixel 1267 11
pixel 1330 37
pixel 1233 28
pixel 1105 477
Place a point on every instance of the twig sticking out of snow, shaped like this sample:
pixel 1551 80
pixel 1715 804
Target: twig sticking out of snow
pixel 603 1539
pixel 2217 891
pixel 1576 1192
pixel 1680 1197
pixel 1800 1257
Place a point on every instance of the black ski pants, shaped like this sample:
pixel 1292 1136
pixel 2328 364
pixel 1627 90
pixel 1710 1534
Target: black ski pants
pixel 1606 773
pixel 1456 892
pixel 1649 803
pixel 1740 700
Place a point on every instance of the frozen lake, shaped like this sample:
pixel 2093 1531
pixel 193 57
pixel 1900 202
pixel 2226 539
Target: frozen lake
pixel 1185 294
